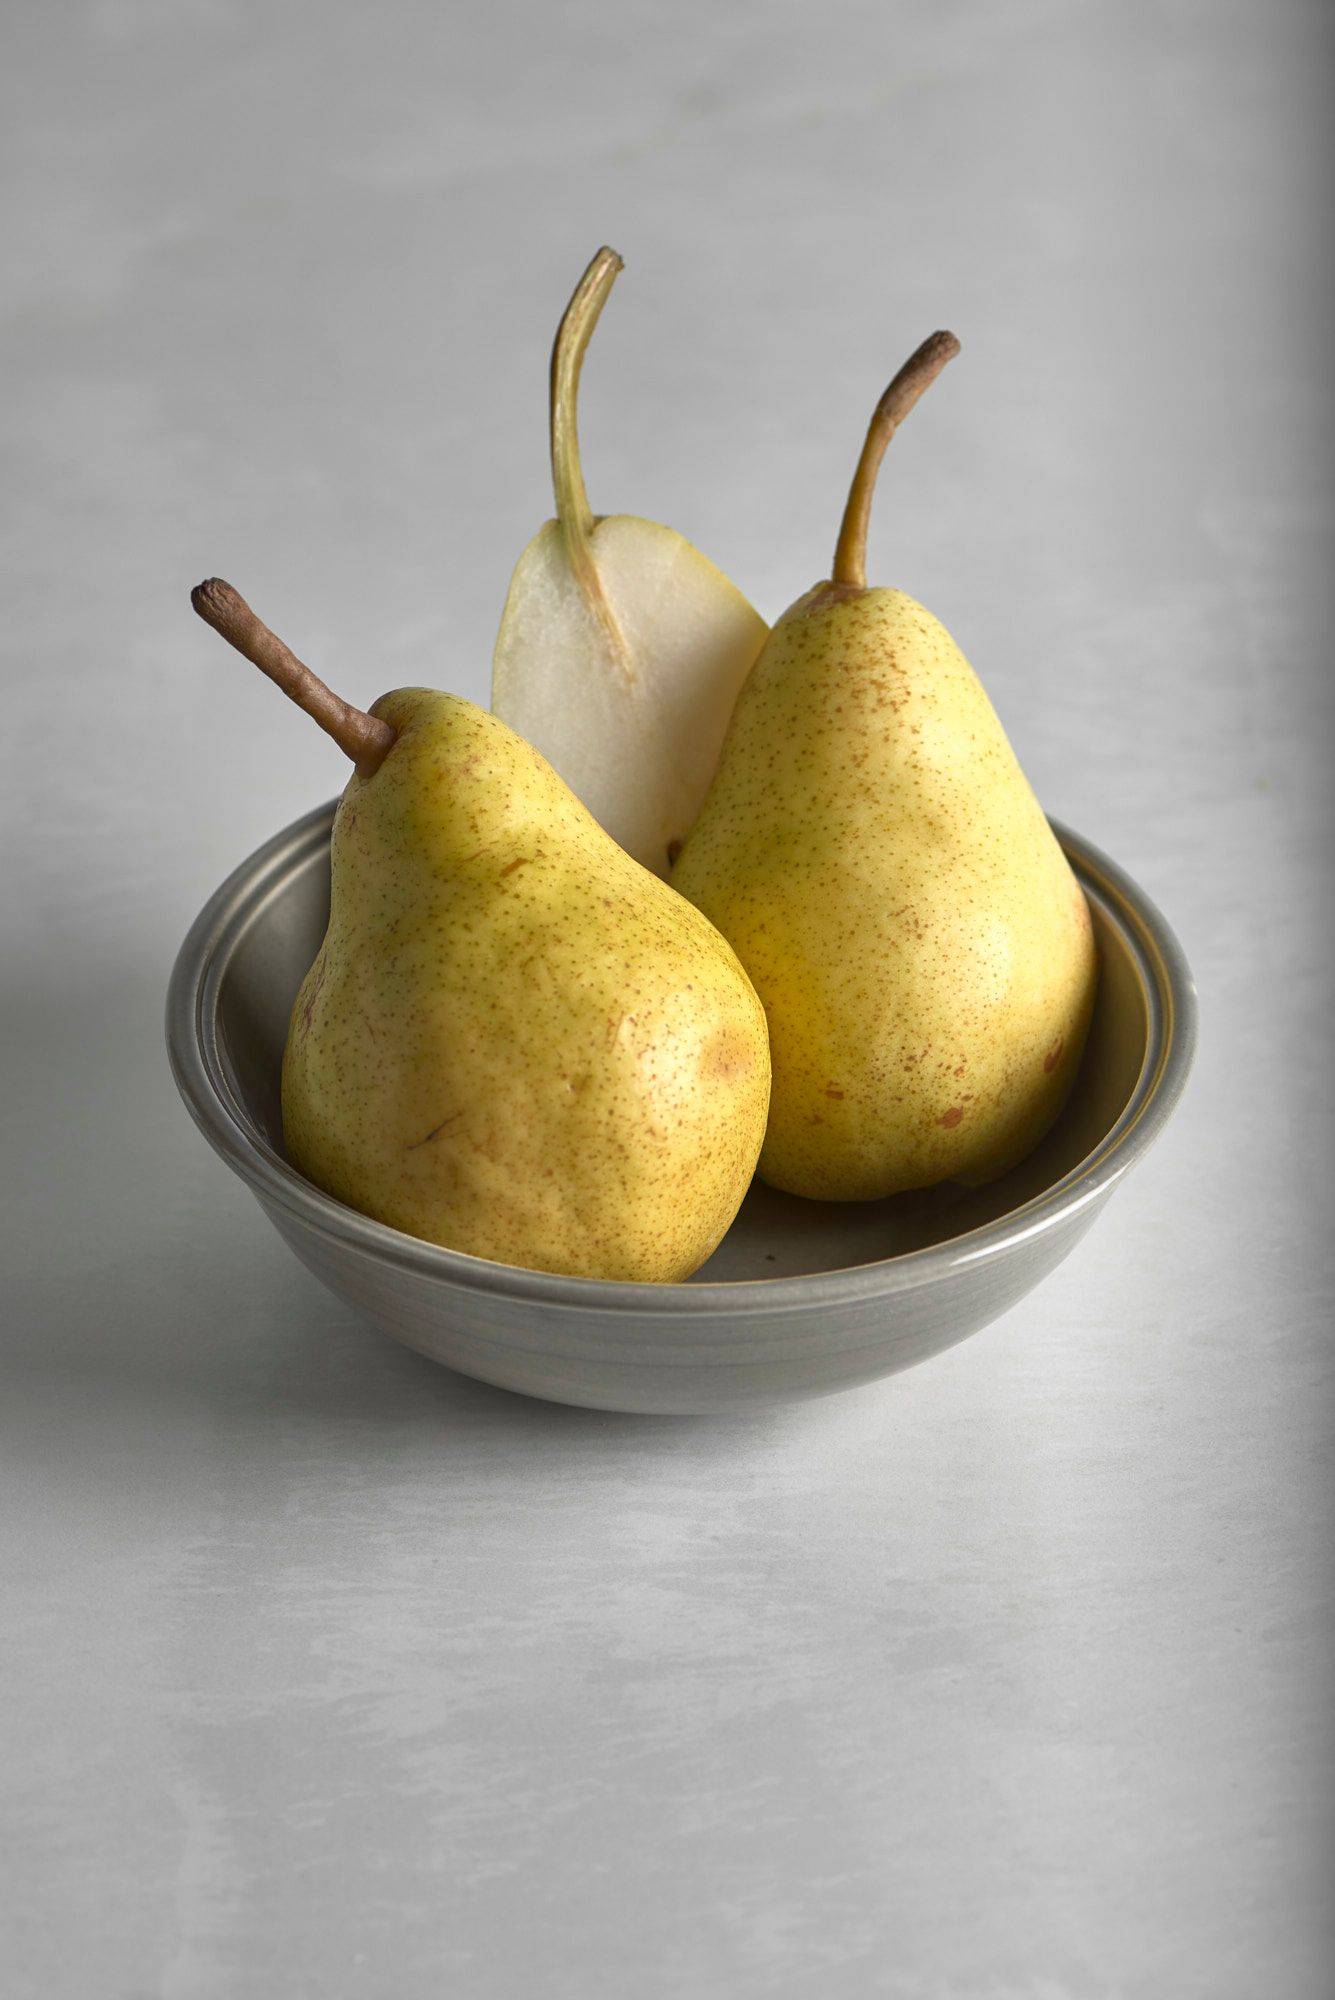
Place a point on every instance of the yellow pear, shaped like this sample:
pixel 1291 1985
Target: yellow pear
pixel 514 1041
pixel 873 852
pixel 621 648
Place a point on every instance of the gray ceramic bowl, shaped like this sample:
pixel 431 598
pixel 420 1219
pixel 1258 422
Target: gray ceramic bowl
pixel 802 1298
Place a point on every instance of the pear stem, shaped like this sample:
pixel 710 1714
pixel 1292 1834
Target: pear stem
pixel 918 373
pixel 364 738
pixel 572 502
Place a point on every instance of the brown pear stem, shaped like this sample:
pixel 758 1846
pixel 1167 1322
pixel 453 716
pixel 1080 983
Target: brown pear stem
pixel 917 374
pixel 364 738
pixel 572 502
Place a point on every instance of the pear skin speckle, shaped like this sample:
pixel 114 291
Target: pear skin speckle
pixel 874 854
pixel 515 1041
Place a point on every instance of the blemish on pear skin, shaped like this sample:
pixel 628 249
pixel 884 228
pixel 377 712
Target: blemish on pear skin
pixel 316 980
pixel 726 1058
pixel 1054 1054
pixel 435 1131
pixel 952 1117
pixel 832 1091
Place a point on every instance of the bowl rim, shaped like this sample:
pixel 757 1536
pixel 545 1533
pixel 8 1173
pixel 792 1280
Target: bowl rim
pixel 201 1077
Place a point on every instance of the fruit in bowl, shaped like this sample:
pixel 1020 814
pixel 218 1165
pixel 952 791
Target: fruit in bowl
pixel 872 969
pixel 873 852
pixel 514 1040
pixel 621 648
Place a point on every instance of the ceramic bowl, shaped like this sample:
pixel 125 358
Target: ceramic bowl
pixel 802 1298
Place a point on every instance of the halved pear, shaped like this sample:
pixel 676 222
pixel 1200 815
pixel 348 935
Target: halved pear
pixel 621 649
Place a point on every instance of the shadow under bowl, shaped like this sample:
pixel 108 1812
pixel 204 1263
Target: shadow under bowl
pixel 801 1298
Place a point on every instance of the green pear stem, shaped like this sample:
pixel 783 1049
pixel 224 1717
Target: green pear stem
pixel 364 738
pixel 918 373
pixel 572 502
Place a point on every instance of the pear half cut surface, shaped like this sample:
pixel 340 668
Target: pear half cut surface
pixel 874 853
pixel 621 648
pixel 514 1041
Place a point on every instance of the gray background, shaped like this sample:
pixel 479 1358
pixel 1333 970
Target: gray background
pixel 328 1673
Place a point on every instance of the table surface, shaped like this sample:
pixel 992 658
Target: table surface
pixel 327 1672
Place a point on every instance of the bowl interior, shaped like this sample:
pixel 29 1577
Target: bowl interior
pixel 775 1235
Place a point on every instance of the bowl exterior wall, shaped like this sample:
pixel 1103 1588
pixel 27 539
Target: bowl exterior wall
pixel 693 1362
pixel 803 1304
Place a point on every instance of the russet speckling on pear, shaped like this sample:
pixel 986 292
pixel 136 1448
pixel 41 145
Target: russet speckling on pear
pixel 874 854
pixel 514 1040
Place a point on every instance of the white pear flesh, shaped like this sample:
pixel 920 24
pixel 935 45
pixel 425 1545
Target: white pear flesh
pixel 634 730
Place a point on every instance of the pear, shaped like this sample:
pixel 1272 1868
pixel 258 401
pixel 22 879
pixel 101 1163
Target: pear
pixel 514 1040
pixel 873 852
pixel 621 648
